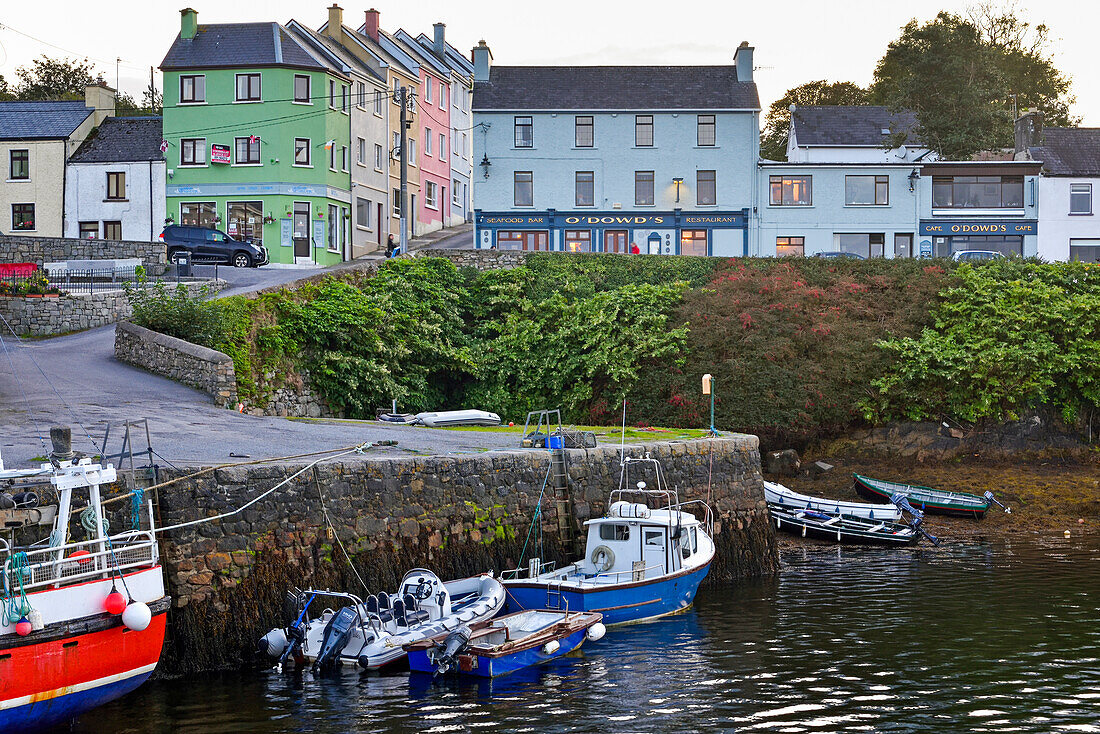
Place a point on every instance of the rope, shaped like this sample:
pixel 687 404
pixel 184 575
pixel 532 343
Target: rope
pixel 15 607
pixel 137 499
pixel 324 511
pixel 538 513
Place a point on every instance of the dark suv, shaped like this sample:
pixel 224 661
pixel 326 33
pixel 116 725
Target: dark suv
pixel 212 245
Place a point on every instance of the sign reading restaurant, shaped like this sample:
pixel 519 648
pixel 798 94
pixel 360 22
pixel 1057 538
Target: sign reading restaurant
pixel 937 228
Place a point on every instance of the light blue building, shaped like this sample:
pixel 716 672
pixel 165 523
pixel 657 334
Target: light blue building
pixel 643 159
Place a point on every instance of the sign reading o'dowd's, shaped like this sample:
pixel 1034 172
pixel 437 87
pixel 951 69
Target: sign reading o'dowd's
pixel 949 228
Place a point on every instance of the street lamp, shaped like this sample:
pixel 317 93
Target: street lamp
pixel 485 164
pixel 678 180
pixel 708 389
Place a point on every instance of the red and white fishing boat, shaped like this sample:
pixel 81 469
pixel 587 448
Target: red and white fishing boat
pixel 82 620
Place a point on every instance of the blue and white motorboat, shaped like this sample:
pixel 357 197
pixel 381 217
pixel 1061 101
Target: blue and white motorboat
pixel 506 644
pixel 643 560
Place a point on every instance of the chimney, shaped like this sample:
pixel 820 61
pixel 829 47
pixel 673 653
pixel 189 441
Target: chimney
pixel 189 23
pixel 742 59
pixel 440 42
pixel 1029 132
pixel 483 60
pixel 372 24
pixel 335 21
pixel 100 98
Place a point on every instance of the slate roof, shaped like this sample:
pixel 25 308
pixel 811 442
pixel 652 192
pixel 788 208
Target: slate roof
pixel 228 45
pixel 844 125
pixel 41 120
pixel 614 88
pixel 122 139
pixel 1069 151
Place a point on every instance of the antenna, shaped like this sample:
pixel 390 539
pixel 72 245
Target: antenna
pixel 622 446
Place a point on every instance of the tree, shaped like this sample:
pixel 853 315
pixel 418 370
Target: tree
pixel 6 92
pixel 773 139
pixel 48 78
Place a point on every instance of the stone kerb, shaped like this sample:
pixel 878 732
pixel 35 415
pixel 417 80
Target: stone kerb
pixel 200 367
pixel 40 250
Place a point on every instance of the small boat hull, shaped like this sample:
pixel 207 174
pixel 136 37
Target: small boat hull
pixel 844 530
pixel 925 499
pixel 487 667
pixel 777 494
pixel 618 603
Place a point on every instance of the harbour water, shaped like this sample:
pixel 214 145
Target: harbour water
pixel 981 637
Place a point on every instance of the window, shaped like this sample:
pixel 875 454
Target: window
pixel 693 242
pixel 344 97
pixel 334 227
pixel 643 131
pixel 643 188
pixel 362 213
pixel 396 143
pixel 706 189
pixel 89 230
pixel 378 156
pixel 534 240
pixel 397 202
pixel 343 158
pixel 790 246
pixel 614 532
pixel 22 217
pixel 524 132
pixel 360 94
pixel 427 141
pixel 523 189
pixel 248 87
pixel 378 104
pixel 455 191
pixel 583 131
pixel 112 230
pixel 704 130
pixel 331 155
pixel 193 152
pixel 978 192
pixel 197 213
pixel 1084 251
pixel 19 165
pixel 412 152
pixel 442 147
pixel 331 94
pixel 865 245
pixel 1080 198
pixel 578 240
pixel 193 89
pixel 442 97
pixel 463 148
pixel 361 151
pixel 431 194
pixel 791 190
pixel 301 89
pixel 654 538
pixel 247 150
pixel 245 220
pixel 585 188
pixel 866 190
pixel 116 185
pixel 301 152
pixel 428 90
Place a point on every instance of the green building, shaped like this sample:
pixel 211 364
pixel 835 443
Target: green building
pixel 256 120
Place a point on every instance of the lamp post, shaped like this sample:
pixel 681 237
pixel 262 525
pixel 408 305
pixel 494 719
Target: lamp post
pixel 708 389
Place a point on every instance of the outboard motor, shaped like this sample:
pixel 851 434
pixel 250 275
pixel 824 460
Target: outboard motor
pixel 337 632
pixel 455 643
pixel 274 643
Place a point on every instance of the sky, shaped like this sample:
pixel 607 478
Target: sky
pixel 796 40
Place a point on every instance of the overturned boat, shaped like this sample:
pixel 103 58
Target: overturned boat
pixel 777 494
pixel 506 644
pixel 371 632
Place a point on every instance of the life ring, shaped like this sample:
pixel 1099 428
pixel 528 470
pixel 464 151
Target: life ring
pixel 608 558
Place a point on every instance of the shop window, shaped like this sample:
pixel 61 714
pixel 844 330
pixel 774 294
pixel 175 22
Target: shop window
pixel 19 165
pixel 192 89
pixel 245 220
pixel 197 213
pixel 1087 251
pixel 22 217
pixel 1007 245
pixel 583 133
pixel 643 188
pixel 533 240
pixel 864 245
pixel 704 130
pixel 693 242
pixel 578 240
pixel 706 190
pixel 585 188
pixel 116 185
pixel 1080 198
pixel 524 132
pixel 866 190
pixel 334 226
pixel 112 230
pixel 523 189
pixel 978 192
pixel 791 190
pixel 790 246
pixel 643 131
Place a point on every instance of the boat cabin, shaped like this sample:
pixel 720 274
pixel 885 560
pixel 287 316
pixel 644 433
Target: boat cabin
pixel 635 542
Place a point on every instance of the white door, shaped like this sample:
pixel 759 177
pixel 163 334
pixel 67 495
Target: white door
pixel 653 551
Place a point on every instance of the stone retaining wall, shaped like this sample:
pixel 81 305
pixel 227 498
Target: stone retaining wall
pixel 52 315
pixel 457 515
pixel 202 368
pixel 40 250
pixel 483 259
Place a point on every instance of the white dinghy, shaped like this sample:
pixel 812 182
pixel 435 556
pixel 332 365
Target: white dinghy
pixel 777 494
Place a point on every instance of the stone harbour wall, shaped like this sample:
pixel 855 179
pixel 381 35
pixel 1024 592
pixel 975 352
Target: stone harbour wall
pixel 457 515
pixel 52 315
pixel 40 250
pixel 201 368
pixel 483 259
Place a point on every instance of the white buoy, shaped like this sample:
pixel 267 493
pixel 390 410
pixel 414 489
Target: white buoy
pixel 35 618
pixel 550 647
pixel 1067 533
pixel 597 631
pixel 136 616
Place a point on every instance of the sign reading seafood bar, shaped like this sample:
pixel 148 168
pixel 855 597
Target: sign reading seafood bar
pixel 735 219
pixel 938 228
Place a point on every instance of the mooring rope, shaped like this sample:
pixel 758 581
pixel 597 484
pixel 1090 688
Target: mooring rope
pixel 336 535
pixel 538 511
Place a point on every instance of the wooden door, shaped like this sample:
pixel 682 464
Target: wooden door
pixel 614 240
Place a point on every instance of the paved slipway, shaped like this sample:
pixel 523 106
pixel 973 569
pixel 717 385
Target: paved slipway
pixel 186 427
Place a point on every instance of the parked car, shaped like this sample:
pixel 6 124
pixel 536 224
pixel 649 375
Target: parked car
pixel 212 245
pixel 971 256
pixel 831 253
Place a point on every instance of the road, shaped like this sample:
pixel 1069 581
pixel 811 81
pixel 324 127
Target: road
pixel 460 241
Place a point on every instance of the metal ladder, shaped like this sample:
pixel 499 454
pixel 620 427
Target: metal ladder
pixel 563 499
pixel 553 595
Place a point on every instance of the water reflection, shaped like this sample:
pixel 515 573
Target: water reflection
pixel 971 637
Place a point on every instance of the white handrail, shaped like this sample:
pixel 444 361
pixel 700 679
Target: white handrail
pixel 132 549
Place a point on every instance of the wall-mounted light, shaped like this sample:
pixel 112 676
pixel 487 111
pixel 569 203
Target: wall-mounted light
pixel 485 164
pixel 914 176
pixel 678 180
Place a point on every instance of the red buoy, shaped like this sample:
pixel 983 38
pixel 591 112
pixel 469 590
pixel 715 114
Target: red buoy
pixel 83 557
pixel 23 627
pixel 115 603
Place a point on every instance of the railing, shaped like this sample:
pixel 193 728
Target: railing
pixel 58 567
pixel 515 573
pixel 68 281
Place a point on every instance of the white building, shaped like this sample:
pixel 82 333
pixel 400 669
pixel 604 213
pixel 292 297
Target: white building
pixel 1069 177
pixel 115 182
pixel 854 134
